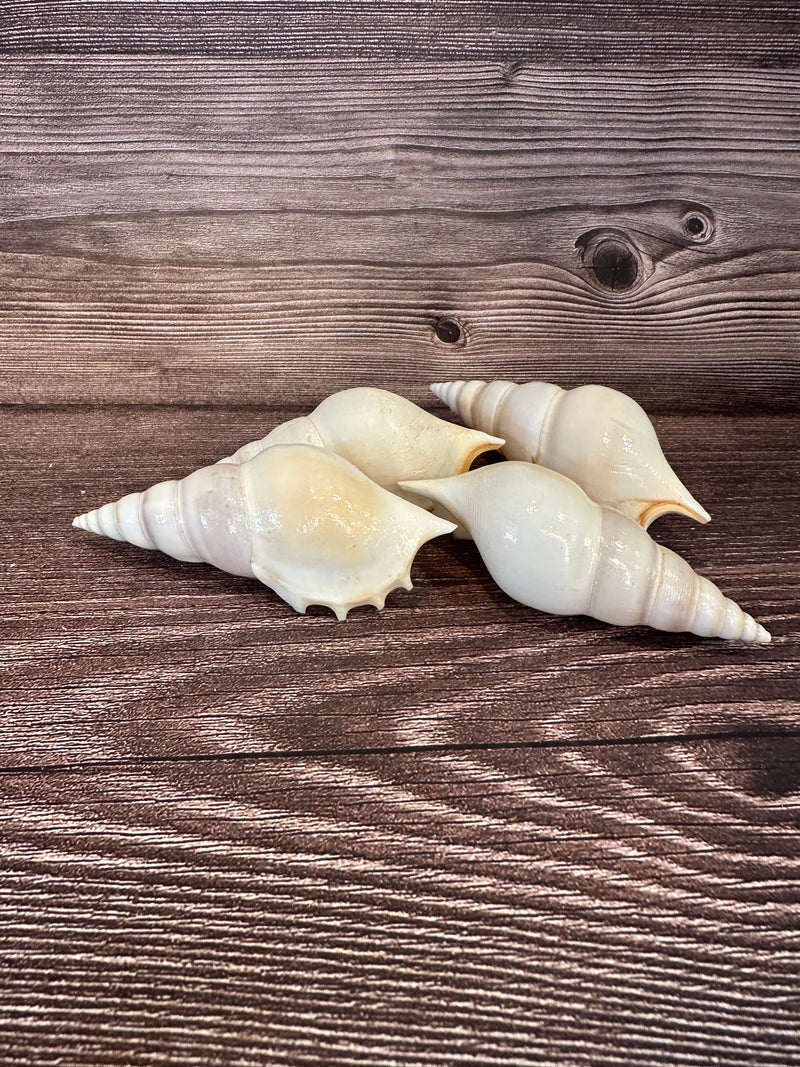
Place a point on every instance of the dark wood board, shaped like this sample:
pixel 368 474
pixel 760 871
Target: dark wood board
pixel 194 231
pixel 584 33
pixel 113 652
pixel 619 905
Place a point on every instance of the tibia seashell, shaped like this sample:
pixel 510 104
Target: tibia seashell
pixel 600 438
pixel 549 546
pixel 386 436
pixel 303 521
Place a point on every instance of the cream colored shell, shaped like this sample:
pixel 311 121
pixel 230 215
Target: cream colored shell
pixel 549 546
pixel 303 521
pixel 598 437
pixel 386 436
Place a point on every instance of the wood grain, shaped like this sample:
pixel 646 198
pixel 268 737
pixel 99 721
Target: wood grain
pixel 191 231
pixel 112 652
pixel 616 905
pixel 458 831
pixel 588 33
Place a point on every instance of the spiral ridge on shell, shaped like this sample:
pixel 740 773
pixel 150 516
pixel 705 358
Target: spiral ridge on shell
pixel 599 437
pixel 298 518
pixel 550 547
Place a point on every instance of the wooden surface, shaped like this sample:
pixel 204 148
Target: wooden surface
pixel 626 905
pixel 586 33
pixel 455 832
pixel 159 658
pixel 187 230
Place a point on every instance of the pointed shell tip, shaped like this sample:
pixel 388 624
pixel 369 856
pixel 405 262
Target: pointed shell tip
pixel 700 513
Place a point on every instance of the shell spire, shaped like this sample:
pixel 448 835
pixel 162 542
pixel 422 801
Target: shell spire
pixel 549 546
pixel 599 437
pixel 302 520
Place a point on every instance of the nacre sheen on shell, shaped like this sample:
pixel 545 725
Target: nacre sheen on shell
pixel 300 519
pixel 599 437
pixel 549 546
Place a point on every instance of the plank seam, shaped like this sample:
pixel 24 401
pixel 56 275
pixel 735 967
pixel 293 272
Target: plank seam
pixel 88 766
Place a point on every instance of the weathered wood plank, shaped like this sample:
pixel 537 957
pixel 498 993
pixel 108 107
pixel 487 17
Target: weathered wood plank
pixel 730 33
pixel 618 905
pixel 448 851
pixel 113 652
pixel 195 231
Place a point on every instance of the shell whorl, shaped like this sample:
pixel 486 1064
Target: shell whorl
pixel 520 414
pixel 120 520
pixel 198 519
pixel 671 595
pixel 301 431
pixel 549 546
pixel 386 436
pixel 302 520
pixel 599 437
pixel 477 403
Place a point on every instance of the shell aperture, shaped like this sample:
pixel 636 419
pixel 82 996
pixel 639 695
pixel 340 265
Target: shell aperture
pixel 302 520
pixel 599 437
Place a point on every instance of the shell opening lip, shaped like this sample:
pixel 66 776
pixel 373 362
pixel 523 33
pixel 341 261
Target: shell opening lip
pixel 491 444
pixel 652 510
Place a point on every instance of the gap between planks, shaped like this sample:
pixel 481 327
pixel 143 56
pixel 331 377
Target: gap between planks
pixel 89 766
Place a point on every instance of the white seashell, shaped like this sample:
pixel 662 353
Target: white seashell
pixel 303 521
pixel 549 546
pixel 383 434
pixel 598 437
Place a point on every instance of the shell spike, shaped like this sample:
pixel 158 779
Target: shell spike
pixel 363 579
pixel 302 520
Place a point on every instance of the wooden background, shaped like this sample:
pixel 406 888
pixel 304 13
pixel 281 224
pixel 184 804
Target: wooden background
pixel 458 831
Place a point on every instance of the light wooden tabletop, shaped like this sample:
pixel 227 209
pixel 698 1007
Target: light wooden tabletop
pixel 458 831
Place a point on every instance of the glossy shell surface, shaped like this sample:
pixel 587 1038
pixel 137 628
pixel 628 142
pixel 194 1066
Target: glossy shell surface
pixel 298 518
pixel 599 437
pixel 549 546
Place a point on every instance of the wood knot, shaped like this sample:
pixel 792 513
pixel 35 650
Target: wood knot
pixel 510 70
pixel 612 259
pixel 448 331
pixel 697 224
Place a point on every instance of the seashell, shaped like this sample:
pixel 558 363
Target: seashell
pixel 598 437
pixel 549 546
pixel 383 434
pixel 303 521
